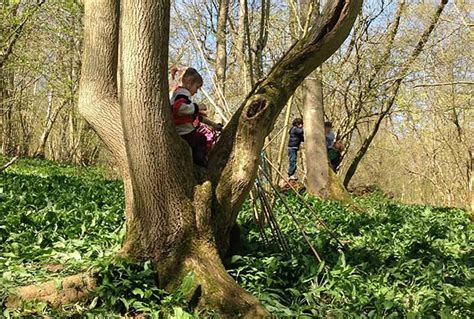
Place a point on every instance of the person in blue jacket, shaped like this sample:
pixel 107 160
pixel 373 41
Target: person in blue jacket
pixel 296 138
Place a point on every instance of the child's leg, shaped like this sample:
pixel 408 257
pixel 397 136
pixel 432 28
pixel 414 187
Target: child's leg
pixel 292 161
pixel 200 150
pixel 335 162
pixel 197 142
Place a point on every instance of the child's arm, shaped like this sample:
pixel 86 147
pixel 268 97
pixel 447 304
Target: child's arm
pixel 214 125
pixel 185 108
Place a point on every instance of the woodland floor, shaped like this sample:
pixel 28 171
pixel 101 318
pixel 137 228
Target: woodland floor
pixel 400 260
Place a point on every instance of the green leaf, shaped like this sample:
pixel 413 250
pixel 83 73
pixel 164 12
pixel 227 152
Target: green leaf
pixel 93 304
pixel 58 284
pixel 6 313
pixel 138 291
pixel 188 283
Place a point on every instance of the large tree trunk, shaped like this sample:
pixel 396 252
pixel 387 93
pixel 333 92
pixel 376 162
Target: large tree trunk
pixel 176 214
pixel 167 207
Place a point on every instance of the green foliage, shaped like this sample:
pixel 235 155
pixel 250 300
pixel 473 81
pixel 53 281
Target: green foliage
pixel 55 215
pixel 57 220
pixel 131 288
pixel 400 261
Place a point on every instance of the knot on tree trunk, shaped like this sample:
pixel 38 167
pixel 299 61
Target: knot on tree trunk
pixel 256 107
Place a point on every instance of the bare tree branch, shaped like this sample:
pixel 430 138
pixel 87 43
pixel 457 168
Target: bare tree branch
pixel 11 162
pixel 13 38
pixel 444 84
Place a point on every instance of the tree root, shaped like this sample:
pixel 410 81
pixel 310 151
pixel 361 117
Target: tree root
pixel 54 292
pixel 214 288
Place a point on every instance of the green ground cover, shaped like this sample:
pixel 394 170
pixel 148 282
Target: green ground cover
pixel 401 260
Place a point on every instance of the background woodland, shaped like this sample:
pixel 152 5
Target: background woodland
pixel 415 143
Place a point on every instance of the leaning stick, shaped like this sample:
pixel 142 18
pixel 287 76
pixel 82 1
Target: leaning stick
pixel 11 162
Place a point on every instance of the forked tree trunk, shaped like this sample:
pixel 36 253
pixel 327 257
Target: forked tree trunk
pixel 179 215
pixel 51 116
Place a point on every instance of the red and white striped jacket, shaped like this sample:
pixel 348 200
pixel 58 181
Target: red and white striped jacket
pixel 184 110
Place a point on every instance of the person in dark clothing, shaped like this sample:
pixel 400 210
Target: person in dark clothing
pixel 296 138
pixel 335 154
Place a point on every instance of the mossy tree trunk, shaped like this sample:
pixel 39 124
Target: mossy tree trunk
pixel 179 215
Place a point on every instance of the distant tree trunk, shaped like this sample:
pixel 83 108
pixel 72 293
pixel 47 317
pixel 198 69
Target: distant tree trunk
pixel 221 47
pixel 6 110
pixel 284 139
pixel 51 116
pixel 470 180
pixel 262 39
pixel 26 129
pixel 242 47
pixel 321 181
pixel 179 215
pixel 469 164
pixel 75 136
pixel 11 34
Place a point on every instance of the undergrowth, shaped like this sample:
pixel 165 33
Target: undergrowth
pixel 398 260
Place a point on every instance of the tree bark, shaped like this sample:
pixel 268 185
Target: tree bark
pixel 284 138
pixel 176 214
pixel 315 142
pixel 51 116
pixel 319 180
pixel 6 106
pixel 262 39
pixel 168 210
pixel 242 47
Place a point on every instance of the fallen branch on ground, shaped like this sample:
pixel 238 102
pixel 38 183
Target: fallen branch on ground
pixel 54 292
pixel 12 161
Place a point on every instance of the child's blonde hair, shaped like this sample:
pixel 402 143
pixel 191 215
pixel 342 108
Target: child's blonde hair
pixel 186 76
pixel 191 76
